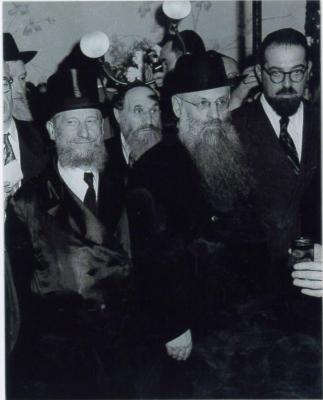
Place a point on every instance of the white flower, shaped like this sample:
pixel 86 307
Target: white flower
pixel 133 74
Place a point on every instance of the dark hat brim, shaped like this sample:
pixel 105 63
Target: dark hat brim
pixel 58 106
pixel 25 56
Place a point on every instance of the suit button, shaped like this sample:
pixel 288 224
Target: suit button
pixel 214 218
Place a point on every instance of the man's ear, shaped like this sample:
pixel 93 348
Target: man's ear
pixel 177 106
pixel 258 72
pixel 51 130
pixel 116 113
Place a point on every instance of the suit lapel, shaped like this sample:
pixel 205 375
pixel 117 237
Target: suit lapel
pixel 32 154
pixel 111 197
pixel 69 211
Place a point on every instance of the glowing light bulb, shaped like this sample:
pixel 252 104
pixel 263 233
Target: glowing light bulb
pixel 94 44
pixel 176 9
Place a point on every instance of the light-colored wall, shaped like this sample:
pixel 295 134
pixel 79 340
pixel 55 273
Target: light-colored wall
pixel 52 28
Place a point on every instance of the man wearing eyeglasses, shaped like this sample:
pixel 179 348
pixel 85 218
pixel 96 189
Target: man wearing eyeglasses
pixel 192 199
pixel 24 154
pixel 281 134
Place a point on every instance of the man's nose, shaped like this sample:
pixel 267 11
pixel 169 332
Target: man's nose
pixel 18 86
pixel 213 111
pixel 83 131
pixel 287 81
pixel 148 118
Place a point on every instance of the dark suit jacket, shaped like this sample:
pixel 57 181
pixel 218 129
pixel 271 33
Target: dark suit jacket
pixel 203 253
pixel 33 154
pixel 57 247
pixel 279 191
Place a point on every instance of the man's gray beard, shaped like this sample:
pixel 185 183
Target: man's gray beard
pixel 91 156
pixel 217 153
pixel 141 141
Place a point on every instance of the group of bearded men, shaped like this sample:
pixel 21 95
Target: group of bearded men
pixel 126 252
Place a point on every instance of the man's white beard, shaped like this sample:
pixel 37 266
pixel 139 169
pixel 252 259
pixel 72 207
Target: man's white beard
pixel 217 153
pixel 89 156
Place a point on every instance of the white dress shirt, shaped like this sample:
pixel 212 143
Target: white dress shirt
pixel 74 179
pixel 12 171
pixel 295 125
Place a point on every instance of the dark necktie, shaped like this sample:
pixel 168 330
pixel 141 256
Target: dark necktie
pixel 288 145
pixel 89 199
pixel 8 154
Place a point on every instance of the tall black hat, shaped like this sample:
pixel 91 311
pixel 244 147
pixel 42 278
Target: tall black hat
pixel 70 89
pixel 194 73
pixel 11 51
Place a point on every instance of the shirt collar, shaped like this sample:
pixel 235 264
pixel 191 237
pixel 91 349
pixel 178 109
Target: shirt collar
pixel 125 148
pixel 294 120
pixel 75 174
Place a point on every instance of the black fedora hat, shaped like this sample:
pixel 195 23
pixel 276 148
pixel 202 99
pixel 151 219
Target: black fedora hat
pixel 11 51
pixel 197 72
pixel 71 89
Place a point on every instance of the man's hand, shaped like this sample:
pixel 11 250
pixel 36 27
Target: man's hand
pixel 180 348
pixel 241 92
pixel 308 275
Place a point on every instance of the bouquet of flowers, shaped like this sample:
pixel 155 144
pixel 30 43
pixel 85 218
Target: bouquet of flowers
pixel 129 64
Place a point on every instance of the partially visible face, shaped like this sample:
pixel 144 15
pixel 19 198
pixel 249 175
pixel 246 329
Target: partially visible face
pixel 286 96
pixel 169 56
pixel 20 105
pixel 7 96
pixel 79 137
pixel 139 120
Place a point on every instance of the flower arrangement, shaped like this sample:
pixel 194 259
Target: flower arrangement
pixel 128 63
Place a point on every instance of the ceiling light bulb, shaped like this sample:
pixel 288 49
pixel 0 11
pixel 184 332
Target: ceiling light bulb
pixel 176 9
pixel 94 44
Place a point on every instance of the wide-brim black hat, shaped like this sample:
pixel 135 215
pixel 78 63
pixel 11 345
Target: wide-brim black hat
pixel 194 73
pixel 71 89
pixel 11 51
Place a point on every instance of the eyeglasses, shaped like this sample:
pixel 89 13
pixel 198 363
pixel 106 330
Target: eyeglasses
pixel 6 86
pixel 222 104
pixel 297 75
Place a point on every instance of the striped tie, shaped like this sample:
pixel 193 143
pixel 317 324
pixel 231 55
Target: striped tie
pixel 288 145
pixel 8 154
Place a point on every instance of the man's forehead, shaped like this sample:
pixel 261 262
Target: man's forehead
pixel 140 95
pixel 79 112
pixel 210 93
pixel 285 54
pixel 17 66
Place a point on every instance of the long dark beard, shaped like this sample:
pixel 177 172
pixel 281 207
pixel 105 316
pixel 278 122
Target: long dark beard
pixel 91 156
pixel 141 141
pixel 218 156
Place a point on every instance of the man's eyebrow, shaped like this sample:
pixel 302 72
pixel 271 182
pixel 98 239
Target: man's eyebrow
pixel 294 67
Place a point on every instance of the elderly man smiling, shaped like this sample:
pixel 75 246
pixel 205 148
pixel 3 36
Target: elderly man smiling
pixel 68 267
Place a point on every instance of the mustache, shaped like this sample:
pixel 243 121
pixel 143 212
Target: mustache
pixel 289 90
pixel 148 126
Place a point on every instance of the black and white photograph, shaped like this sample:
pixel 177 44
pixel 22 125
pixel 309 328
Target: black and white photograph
pixel 162 199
